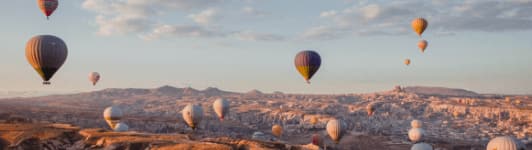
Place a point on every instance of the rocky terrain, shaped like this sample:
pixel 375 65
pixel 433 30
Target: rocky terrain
pixel 452 118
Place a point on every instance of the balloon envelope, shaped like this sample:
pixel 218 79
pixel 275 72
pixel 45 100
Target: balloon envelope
pixel 505 143
pixel 121 127
pixel 112 116
pixel 313 120
pixel 421 146
pixel 407 62
pixel 335 130
pixel 317 140
pixel 192 114
pixel 422 45
pixel 419 25
pixel 370 108
pixel 46 54
pixel 94 77
pixel 221 107
pixel 307 63
pixel 47 6
pixel 277 130
pixel 416 123
pixel 416 134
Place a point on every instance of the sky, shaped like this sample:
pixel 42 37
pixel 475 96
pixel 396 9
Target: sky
pixel 240 45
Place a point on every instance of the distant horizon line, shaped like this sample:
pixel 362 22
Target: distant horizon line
pixel 54 92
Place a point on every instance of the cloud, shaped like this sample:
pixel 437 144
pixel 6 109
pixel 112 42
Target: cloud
pixel 181 31
pixel 445 17
pixel 205 17
pixel 250 11
pixel 322 33
pixel 137 16
pixel 253 36
pixel 326 14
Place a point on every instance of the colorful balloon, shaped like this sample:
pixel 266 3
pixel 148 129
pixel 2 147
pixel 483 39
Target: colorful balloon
pixel 307 63
pixel 192 114
pixel 419 25
pixel 94 77
pixel 47 6
pixel 221 107
pixel 46 54
pixel 422 44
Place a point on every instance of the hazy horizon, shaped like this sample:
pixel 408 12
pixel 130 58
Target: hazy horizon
pixel 240 45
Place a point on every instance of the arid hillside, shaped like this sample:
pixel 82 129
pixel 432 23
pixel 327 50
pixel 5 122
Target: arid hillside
pixel 452 118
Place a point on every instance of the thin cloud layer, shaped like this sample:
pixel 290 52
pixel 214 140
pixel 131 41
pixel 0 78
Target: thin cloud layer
pixel 205 18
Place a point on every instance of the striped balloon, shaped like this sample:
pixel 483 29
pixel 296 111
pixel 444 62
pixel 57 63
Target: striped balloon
pixel 192 114
pixel 47 6
pixel 422 44
pixel 307 63
pixel 335 130
pixel 46 54
pixel 419 25
pixel 505 143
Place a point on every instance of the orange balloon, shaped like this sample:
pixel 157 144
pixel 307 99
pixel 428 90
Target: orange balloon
pixel 422 44
pixel 419 25
pixel 407 62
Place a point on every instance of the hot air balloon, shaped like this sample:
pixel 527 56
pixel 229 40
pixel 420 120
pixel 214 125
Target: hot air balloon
pixel 421 146
pixel 370 108
pixel 112 116
pixel 505 143
pixel 221 107
pixel 419 25
pixel 277 130
pixel 422 44
pixel 416 134
pixel 47 6
pixel 307 63
pixel 94 77
pixel 335 130
pixel 313 120
pixel 407 62
pixel 46 54
pixel 416 124
pixel 121 127
pixel 317 140
pixel 456 114
pixel 192 114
